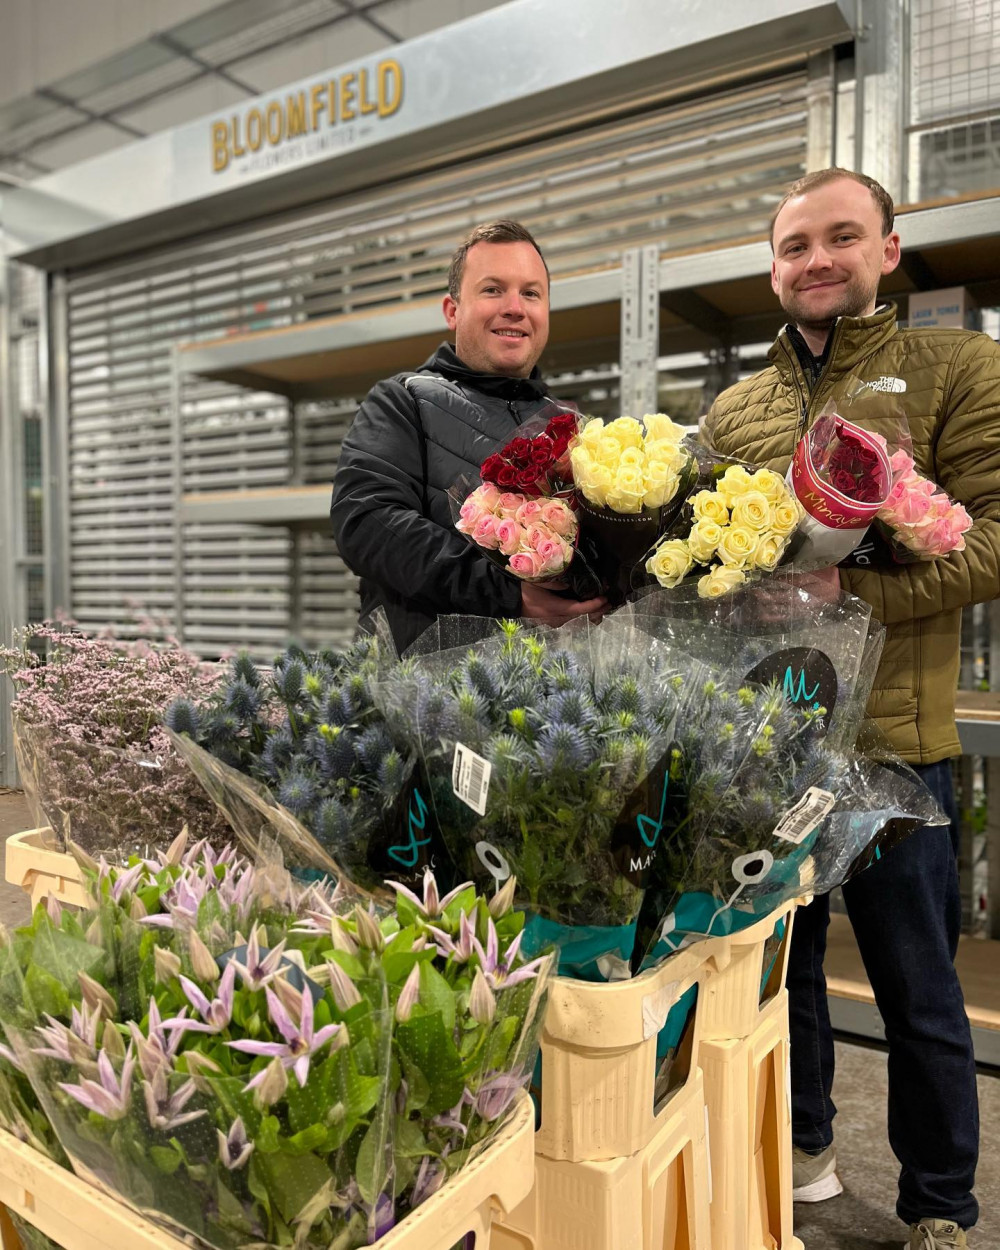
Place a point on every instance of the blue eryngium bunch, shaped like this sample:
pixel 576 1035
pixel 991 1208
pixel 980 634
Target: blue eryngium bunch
pixel 309 732
pixel 568 743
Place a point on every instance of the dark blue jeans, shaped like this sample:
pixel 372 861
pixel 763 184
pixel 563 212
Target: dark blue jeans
pixel 906 914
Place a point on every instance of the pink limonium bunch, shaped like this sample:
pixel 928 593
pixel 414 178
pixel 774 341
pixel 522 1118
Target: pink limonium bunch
pixel 923 522
pixel 96 765
pixel 535 535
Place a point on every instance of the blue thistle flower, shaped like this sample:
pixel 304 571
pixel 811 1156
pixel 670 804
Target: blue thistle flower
pixel 333 750
pixel 563 746
pixel 372 747
pixel 244 669
pixel 242 700
pixel 332 823
pixel 507 750
pixel 277 753
pixel 436 716
pixel 479 676
pixel 357 694
pixel 297 793
pixel 391 771
pixel 337 709
pixel 471 705
pixel 574 707
pixel 183 718
pixel 289 680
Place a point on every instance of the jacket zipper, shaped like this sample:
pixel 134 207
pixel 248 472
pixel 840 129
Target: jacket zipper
pixel 806 398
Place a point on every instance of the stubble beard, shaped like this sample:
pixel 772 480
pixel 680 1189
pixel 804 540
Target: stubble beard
pixel 856 300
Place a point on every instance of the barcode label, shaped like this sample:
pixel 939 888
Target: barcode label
pixel 470 778
pixel 799 821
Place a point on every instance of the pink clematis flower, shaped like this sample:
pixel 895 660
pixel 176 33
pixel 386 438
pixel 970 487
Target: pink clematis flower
pixel 300 1044
pixel 110 1097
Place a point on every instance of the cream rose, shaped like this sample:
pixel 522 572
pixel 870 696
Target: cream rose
pixel 752 510
pixel 770 484
pixel 661 484
pixel 709 505
pixel 735 481
pixel 659 426
pixel 627 490
pixel 720 581
pixel 704 539
pixel 786 517
pixel 626 431
pixel 592 432
pixel 670 562
pixel 672 454
pixel 768 552
pixel 737 545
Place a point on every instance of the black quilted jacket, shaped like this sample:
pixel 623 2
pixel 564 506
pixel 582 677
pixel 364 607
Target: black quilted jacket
pixel 413 436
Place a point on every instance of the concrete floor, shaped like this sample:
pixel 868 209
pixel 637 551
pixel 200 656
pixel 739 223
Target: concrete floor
pixel 863 1217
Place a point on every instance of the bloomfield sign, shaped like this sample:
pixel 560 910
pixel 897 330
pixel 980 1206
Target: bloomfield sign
pixel 371 91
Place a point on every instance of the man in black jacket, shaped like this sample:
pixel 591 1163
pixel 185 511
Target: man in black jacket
pixel 416 433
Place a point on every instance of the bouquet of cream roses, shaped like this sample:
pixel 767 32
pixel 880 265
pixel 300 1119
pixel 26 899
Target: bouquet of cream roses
pixel 726 534
pixel 629 478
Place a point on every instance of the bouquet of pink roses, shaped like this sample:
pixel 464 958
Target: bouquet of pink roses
pixel 919 520
pixel 534 536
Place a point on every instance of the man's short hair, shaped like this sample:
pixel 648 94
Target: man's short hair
pixel 820 178
pixel 503 231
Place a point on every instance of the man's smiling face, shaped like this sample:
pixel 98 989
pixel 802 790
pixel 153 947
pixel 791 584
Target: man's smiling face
pixel 830 253
pixel 501 318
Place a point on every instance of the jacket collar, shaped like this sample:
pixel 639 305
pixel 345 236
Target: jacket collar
pixel 852 340
pixel 446 362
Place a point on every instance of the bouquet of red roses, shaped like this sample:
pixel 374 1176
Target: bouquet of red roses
pixel 841 475
pixel 536 464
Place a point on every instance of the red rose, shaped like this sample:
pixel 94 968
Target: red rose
pixel 560 445
pixel 562 426
pixel 868 491
pixel 506 476
pixel 843 481
pixel 541 450
pixel 866 457
pixel 518 450
pixel 490 467
pixel 527 480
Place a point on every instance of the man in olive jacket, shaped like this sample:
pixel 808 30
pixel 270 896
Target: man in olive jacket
pixel 417 433
pixel 832 239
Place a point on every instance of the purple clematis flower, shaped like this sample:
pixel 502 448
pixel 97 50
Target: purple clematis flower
pixel 500 973
pixel 234 1148
pixel 126 881
pixel 430 906
pixel 429 1179
pixel 496 1095
pixel 300 1043
pixel 215 1015
pixel 165 1110
pixel 257 971
pixel 8 1054
pixel 158 1050
pixel 382 1218
pixel 111 1097
pixel 73 1044
pixel 236 889
pixel 460 951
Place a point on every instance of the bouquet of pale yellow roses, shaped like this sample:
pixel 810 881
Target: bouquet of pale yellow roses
pixel 630 477
pixel 729 533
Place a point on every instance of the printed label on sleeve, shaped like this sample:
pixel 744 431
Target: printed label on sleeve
pixel 799 821
pixel 470 778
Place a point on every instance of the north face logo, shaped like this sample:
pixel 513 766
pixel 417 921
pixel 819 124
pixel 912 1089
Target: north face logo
pixel 894 386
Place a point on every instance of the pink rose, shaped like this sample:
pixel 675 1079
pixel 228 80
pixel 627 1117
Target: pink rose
pixel 508 504
pixel 901 463
pixel 942 537
pixel 529 511
pixel 525 564
pixel 559 517
pixel 910 509
pixel 488 495
pixel 484 534
pixel 535 534
pixel 508 535
pixel 470 515
pixel 552 553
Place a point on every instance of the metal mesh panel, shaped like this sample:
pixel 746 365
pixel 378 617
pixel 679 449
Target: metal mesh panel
pixel 687 175
pixel 955 97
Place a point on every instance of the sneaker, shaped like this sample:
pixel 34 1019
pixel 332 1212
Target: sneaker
pixel 814 1177
pixel 936 1235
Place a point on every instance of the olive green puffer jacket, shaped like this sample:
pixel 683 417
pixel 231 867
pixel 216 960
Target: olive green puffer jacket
pixel 952 403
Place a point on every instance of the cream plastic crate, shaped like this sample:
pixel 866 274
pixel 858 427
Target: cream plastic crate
pixel 80 1217
pixel 734 1000
pixel 750 1136
pixel 655 1199
pixel 32 867
pixel 599 1059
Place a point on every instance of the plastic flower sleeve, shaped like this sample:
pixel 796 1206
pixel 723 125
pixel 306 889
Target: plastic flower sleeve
pixel 108 800
pixel 541 749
